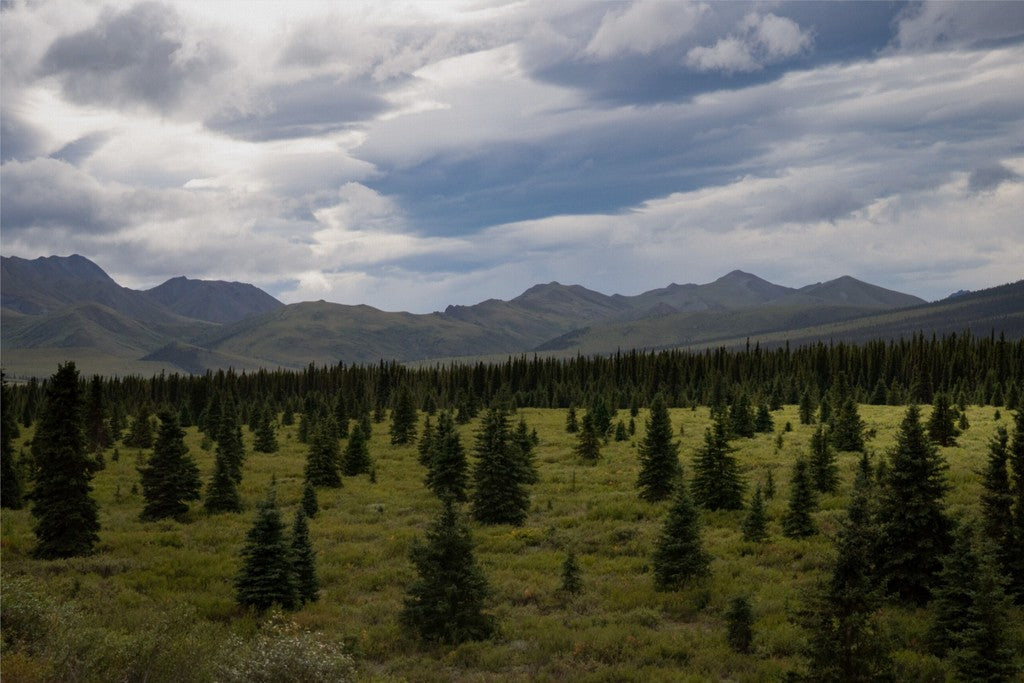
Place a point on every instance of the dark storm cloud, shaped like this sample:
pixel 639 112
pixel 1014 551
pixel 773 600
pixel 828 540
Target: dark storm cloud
pixel 308 108
pixel 990 177
pixel 47 193
pixel 139 56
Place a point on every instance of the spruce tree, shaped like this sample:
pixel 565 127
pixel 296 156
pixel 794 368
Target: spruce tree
pixel 222 491
pixel 309 503
pixel 303 559
pixel 997 502
pixel 716 478
pixel 769 485
pixel 525 440
pixel 97 424
pixel 357 453
pixel 572 425
pixel 448 475
pixel 763 422
pixel 588 444
pixel 171 478
pixel 572 584
pixel 755 524
pixel 425 448
pixel 846 643
pixel 140 434
pixel 265 440
pixel 822 462
pixel 741 416
pixel 229 444
pixel 11 493
pixel 659 455
pixel 797 522
pixel 915 529
pixel 621 434
pixel 403 417
pixel 499 495
pixel 942 422
pixel 267 575
pixel 806 408
pixel 954 592
pixel 740 625
pixel 67 520
pixel 446 601
pixel 679 556
pixel 322 458
pixel 847 429
pixel 1015 553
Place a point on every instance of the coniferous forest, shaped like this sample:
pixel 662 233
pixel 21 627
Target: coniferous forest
pixel 831 512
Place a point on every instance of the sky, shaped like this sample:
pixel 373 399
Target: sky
pixel 412 155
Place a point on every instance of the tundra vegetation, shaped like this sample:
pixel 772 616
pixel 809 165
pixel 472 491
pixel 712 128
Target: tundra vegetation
pixel 567 569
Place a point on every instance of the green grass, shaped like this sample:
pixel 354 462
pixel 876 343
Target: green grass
pixel 157 598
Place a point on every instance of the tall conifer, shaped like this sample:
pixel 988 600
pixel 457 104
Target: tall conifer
pixel 822 462
pixel 797 521
pixel 716 478
pixel 588 444
pixel 659 455
pixel 171 478
pixel 679 556
pixel 303 559
pixel 499 494
pixel 448 474
pixel 267 575
pixel 11 492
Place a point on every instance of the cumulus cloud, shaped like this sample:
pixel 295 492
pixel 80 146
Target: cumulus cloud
pixel 643 27
pixel 760 39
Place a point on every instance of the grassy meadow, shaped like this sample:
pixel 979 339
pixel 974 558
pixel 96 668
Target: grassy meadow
pixel 155 601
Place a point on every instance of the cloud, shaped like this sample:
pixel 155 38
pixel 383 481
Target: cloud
pixel 990 177
pixel 644 27
pixel 941 25
pixel 760 39
pixel 143 55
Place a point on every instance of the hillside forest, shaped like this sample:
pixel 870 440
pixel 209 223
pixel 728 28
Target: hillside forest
pixel 829 512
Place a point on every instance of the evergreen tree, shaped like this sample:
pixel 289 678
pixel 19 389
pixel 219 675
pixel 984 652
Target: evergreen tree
pixel 997 502
pixel 140 434
pixel 67 521
pixel 403 418
pixel 266 435
pixel 954 592
pixel 446 601
pixel 499 495
pixel 303 559
pixel 322 458
pixel 572 583
pixel 824 472
pixel 448 476
pixel 915 529
pixel 171 478
pixel 11 493
pixel 525 440
pixel 222 492
pixel 716 478
pixel 1015 568
pixel 679 556
pixel 425 448
pixel 97 424
pixel 229 444
pixel 620 431
pixel 572 425
pixel 846 643
pixel 797 522
pixel 847 429
pixel 267 575
pixel 601 415
pixel 755 524
pixel 942 422
pixel 740 625
pixel 659 455
pixel 588 445
pixel 309 503
pixel 769 485
pixel 806 408
pixel 341 415
pixel 763 422
pixel 741 416
pixel 357 453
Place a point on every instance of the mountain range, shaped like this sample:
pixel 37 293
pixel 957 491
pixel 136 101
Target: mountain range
pixel 56 308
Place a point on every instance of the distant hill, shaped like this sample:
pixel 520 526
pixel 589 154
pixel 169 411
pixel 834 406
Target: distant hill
pixel 67 307
pixel 213 300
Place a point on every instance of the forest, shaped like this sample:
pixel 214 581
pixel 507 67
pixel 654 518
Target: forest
pixel 832 512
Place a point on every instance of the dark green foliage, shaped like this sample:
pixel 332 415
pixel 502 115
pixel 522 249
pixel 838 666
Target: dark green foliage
pixel 588 444
pixel 11 493
pixel 659 455
pixel 741 417
pixel 763 422
pixel 806 408
pixel 229 445
pixel 997 502
pixel 140 434
pixel 822 462
pixel 914 526
pixel 425 448
pixel 572 425
pixel 716 477
pixel 341 415
pixel 267 575
pixel 97 424
pixel 499 477
pixel 447 475
pixel 679 556
pixel 1015 553
pixel 740 625
pixel 962 423
pixel 525 441
pixel 303 559
pixel 357 453
pixel 620 431
pixel 572 582
pixel 601 414
pixel 954 592
pixel 846 643
pixel 446 601
pixel 769 485
pixel 322 458
pixel 797 521
pixel 847 429
pixel 403 418
pixel 265 440
pixel 171 478
pixel 309 503
pixel 755 524
pixel 67 520
pixel 942 422
pixel 222 492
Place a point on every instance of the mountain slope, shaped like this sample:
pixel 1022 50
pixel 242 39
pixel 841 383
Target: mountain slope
pixel 213 300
